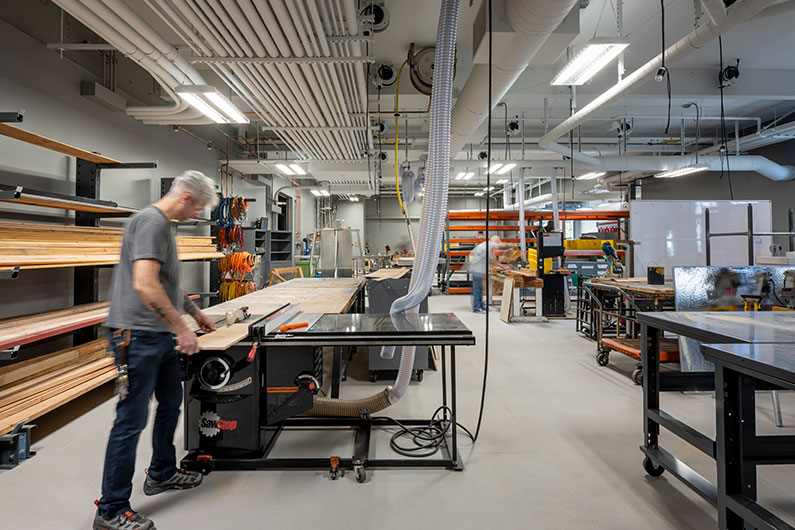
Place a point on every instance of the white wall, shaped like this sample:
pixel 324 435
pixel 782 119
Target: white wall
pixel 351 215
pixel 385 225
pixel 35 79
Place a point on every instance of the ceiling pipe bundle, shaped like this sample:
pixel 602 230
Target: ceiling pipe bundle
pixel 128 33
pixel 533 21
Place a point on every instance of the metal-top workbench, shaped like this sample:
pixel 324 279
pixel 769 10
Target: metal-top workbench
pixel 739 450
pixel 444 330
pixel 707 327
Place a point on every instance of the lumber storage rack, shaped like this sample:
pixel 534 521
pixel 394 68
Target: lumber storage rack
pixel 25 394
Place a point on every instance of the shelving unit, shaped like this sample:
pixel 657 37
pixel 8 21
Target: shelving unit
pixel 281 248
pixel 455 256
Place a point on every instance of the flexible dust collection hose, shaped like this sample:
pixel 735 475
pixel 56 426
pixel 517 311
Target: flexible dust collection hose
pixel 431 221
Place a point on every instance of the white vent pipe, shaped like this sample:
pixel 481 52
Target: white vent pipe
pixel 739 12
pixel 533 21
pixel 758 164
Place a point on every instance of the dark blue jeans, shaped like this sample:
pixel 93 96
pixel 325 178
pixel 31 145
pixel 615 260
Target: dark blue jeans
pixel 153 367
pixel 477 292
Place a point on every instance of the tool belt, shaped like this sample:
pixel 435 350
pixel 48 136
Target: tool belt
pixel 121 340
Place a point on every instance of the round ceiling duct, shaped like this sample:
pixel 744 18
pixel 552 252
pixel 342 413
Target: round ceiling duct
pixel 379 13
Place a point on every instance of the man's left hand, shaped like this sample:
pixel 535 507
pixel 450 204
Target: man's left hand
pixel 204 322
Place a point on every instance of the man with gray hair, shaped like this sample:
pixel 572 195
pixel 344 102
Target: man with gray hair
pixel 145 297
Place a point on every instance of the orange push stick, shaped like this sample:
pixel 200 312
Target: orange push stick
pixel 288 327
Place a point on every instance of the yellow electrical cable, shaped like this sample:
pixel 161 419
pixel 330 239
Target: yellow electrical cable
pixel 397 96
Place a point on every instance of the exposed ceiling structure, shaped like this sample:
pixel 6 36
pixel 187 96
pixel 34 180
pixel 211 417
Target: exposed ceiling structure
pixel 317 81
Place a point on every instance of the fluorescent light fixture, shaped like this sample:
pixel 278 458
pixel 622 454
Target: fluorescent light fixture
pixel 211 103
pixel 298 170
pixel 325 193
pixel 506 168
pixel 592 175
pixel 596 55
pixel 284 169
pixel 680 171
pixel 316 193
pixel 494 167
pixel 469 175
pixel 490 188
pixel 502 181
pixel 460 176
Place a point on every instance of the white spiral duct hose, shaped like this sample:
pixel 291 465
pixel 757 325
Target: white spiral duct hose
pixel 435 200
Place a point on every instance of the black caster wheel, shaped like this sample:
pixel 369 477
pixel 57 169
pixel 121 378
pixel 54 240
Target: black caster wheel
pixel 373 377
pixel 360 474
pixel 602 358
pixel 419 376
pixel 637 376
pixel 651 469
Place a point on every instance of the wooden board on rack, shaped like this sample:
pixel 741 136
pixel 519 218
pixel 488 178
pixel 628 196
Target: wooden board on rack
pixel 8 423
pixel 31 328
pixel 23 371
pixel 53 145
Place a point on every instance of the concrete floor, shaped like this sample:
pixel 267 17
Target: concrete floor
pixel 558 450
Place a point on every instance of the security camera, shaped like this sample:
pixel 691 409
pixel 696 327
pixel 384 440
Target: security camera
pixel 382 156
pixel 483 155
pixel 729 74
pixel 513 128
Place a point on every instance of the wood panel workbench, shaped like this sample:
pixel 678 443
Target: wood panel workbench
pixel 638 285
pixel 312 295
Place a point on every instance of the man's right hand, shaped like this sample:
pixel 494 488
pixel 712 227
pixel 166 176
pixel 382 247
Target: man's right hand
pixel 187 342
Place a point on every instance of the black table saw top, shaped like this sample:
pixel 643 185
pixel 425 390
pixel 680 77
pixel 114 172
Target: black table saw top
pixel 374 329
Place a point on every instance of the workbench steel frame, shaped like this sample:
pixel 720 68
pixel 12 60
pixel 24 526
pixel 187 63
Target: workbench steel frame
pixel 739 450
pixel 657 460
pixel 360 460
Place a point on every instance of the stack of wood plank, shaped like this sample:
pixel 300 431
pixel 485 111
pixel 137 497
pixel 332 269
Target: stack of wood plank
pixel 17 331
pixel 29 389
pixel 37 246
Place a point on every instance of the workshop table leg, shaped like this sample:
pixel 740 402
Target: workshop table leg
pixel 454 455
pixel 650 359
pixel 517 302
pixel 335 372
pixel 539 302
pixel 444 382
pixel 730 407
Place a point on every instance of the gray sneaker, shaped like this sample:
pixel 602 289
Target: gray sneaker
pixel 181 480
pixel 128 520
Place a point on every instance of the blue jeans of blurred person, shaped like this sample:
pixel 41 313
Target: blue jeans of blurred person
pixel 477 292
pixel 153 367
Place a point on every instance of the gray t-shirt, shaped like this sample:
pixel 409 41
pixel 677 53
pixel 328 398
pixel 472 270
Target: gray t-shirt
pixel 477 258
pixel 147 235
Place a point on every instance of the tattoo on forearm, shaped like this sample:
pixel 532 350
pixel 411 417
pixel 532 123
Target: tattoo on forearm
pixel 157 310
pixel 189 307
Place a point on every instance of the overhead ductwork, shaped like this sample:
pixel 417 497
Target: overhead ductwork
pixel 533 21
pixel 125 30
pixel 739 12
pixel 317 107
